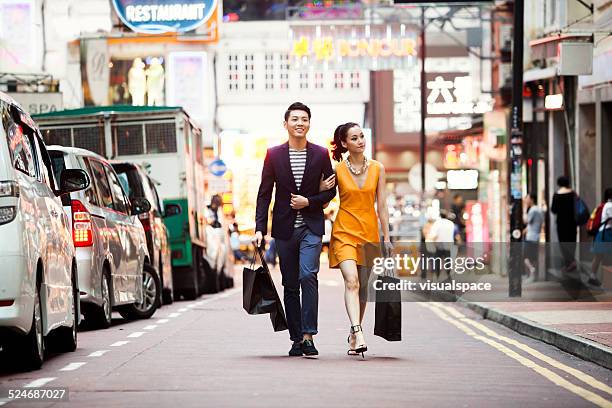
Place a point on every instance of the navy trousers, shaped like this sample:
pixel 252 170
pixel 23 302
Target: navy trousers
pixel 299 264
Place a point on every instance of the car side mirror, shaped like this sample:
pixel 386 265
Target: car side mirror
pixel 72 180
pixel 140 205
pixel 171 210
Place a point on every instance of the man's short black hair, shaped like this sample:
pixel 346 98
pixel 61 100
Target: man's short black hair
pixel 563 181
pixel 533 197
pixel 297 106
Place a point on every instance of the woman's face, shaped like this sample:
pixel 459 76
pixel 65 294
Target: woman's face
pixel 355 140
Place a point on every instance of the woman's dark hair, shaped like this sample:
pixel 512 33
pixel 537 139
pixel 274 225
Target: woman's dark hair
pixel 340 135
pixel 563 181
pixel 608 194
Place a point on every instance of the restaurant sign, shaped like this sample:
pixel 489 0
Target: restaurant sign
pixel 159 16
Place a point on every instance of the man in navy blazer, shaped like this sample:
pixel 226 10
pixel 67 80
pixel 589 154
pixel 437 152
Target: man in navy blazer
pixel 296 169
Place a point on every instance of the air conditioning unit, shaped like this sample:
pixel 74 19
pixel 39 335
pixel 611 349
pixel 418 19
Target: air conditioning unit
pixel 575 58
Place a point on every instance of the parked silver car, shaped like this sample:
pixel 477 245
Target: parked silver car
pixel 111 247
pixel 39 287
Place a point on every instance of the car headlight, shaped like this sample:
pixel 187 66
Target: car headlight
pixel 7 214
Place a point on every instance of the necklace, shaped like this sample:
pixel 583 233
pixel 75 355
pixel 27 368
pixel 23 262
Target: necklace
pixel 353 170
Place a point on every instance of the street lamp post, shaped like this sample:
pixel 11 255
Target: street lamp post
pixel 515 153
pixel 423 144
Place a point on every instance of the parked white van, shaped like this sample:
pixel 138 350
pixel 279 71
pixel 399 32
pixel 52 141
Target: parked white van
pixel 111 247
pixel 39 301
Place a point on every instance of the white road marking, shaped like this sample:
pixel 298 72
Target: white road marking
pixel 192 306
pixel 3 403
pixel 183 309
pixel 162 321
pixel 72 367
pixel 40 382
pixel 98 353
pixel 135 335
pixel 174 315
pixel 119 343
pixel 150 327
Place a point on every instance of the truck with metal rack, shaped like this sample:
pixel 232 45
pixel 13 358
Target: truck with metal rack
pixel 167 142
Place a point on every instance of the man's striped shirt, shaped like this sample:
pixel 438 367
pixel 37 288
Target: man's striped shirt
pixel 298 164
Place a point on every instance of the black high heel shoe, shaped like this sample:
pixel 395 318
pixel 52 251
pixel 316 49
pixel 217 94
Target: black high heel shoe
pixel 362 348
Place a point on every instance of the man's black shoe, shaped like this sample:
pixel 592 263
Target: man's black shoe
pixel 296 349
pixel 309 349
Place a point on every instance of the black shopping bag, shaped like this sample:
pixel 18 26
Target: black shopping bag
pixel 388 311
pixel 278 319
pixel 259 294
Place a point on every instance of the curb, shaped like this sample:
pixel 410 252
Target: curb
pixel 578 346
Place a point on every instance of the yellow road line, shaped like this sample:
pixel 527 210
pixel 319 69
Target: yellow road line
pixel 544 372
pixel 587 379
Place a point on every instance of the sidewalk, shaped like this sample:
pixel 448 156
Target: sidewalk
pixel 583 329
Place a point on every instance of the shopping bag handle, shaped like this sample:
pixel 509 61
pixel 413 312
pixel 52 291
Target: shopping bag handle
pixel 259 251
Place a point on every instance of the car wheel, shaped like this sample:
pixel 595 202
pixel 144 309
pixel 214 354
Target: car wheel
pixel 166 293
pixel 167 297
pixel 151 293
pixel 101 317
pixel 222 281
pixel 33 348
pixel 65 338
pixel 211 280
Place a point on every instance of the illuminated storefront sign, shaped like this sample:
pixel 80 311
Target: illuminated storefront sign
pixel 158 16
pixel 326 48
pixel 454 96
pixel 18 44
pixel 462 179
pixel 371 47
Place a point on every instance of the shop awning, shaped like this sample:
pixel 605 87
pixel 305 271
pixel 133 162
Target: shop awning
pixel 544 48
pixel 537 74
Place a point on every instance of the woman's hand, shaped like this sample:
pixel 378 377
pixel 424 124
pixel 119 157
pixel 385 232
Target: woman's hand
pixel 388 247
pixel 327 183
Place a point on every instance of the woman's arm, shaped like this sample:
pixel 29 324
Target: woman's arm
pixel 381 203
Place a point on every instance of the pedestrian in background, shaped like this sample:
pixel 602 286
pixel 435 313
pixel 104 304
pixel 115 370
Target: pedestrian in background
pixel 564 207
pixel 442 232
pixel 296 168
pixel 361 184
pixel 458 208
pixel 534 219
pixel 602 244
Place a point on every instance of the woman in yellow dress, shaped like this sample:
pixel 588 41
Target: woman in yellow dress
pixel 361 184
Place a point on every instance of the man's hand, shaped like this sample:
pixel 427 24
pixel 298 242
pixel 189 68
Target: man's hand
pixel 258 239
pixel 298 202
pixel 327 184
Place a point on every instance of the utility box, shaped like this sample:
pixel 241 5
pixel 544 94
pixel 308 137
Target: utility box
pixel 575 58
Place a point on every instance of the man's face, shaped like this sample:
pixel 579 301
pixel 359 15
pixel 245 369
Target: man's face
pixel 528 201
pixel 297 124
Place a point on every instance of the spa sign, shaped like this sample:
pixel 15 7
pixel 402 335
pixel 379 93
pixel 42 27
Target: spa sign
pixel 162 16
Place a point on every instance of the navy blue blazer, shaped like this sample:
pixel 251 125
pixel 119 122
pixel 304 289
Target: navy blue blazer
pixel 277 171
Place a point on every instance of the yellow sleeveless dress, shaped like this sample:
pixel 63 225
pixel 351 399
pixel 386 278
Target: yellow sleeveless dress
pixel 356 222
